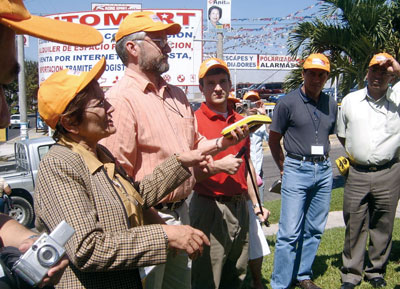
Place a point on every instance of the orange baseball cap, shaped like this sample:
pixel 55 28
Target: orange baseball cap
pixel 146 21
pixel 317 61
pixel 233 98
pixel 251 93
pixel 212 63
pixel 378 58
pixel 14 15
pixel 57 91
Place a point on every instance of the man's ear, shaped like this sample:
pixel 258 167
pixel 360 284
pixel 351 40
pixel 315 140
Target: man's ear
pixel 201 88
pixel 130 47
pixel 67 124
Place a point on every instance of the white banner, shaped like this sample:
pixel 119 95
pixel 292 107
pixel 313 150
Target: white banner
pixel 184 59
pixel 115 7
pixel 277 62
pixel 26 40
pixel 258 61
pixel 219 14
pixel 241 61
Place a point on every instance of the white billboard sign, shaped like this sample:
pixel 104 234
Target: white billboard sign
pixel 26 40
pixel 277 62
pixel 262 62
pixel 219 14
pixel 184 59
pixel 241 61
pixel 115 7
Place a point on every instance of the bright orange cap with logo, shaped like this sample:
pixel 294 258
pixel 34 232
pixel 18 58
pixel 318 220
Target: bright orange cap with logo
pixel 146 21
pixel 251 93
pixel 378 58
pixel 317 61
pixel 57 91
pixel 212 63
pixel 14 15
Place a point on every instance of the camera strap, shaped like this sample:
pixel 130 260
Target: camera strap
pixel 7 280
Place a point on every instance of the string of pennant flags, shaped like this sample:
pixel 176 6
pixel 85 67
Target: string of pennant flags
pixel 268 38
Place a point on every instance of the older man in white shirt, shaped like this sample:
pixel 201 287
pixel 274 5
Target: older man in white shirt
pixel 368 126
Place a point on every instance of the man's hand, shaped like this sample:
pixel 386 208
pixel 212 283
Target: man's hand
pixel 391 65
pixel 55 273
pixel 186 238
pixel 262 216
pixel 192 158
pixel 237 135
pixel 261 107
pixel 228 164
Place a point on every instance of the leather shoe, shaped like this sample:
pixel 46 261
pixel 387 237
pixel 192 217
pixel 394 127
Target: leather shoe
pixel 347 285
pixel 377 282
pixel 307 284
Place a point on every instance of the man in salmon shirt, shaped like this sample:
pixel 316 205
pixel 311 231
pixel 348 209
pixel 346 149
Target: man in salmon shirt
pixel 154 120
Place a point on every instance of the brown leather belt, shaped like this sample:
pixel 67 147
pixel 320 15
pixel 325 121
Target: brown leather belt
pixel 374 168
pixel 170 206
pixel 224 199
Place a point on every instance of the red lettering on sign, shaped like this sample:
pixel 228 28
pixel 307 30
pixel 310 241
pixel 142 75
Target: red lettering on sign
pixel 185 17
pixel 110 18
pixel 95 19
pixel 69 18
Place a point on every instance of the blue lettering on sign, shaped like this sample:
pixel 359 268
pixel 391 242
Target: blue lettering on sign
pixel 109 35
pixel 179 55
pixel 115 67
pixel 182 35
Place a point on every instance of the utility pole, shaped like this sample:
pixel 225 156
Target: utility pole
pixel 21 88
pixel 220 45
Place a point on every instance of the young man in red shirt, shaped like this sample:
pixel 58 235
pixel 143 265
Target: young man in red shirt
pixel 218 206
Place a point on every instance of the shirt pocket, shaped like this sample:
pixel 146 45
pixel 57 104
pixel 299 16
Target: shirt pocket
pixel 392 125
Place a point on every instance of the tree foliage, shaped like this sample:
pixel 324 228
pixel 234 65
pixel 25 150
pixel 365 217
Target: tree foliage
pixel 32 85
pixel 349 32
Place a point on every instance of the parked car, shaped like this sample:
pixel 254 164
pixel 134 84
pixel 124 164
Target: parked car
pixel 246 89
pixel 276 97
pixel 15 121
pixel 21 176
pixel 267 89
pixel 331 93
pixel 240 86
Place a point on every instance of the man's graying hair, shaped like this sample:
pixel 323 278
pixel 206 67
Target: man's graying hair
pixel 121 44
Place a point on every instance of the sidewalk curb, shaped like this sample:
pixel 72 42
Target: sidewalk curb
pixel 335 220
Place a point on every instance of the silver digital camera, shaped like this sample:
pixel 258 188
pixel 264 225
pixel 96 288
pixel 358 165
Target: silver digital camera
pixel 44 254
pixel 248 104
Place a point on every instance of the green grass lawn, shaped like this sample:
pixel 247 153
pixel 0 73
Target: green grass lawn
pixel 327 263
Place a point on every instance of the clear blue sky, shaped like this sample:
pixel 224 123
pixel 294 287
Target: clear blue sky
pixel 250 9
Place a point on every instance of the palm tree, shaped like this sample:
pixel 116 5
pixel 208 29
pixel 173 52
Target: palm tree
pixel 350 32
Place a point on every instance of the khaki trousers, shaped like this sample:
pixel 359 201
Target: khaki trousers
pixel 224 263
pixel 369 208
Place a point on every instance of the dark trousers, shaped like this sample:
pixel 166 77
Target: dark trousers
pixel 369 208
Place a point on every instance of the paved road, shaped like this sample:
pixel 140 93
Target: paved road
pixel 271 172
pixel 15 132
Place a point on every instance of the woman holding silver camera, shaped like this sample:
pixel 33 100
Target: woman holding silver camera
pixel 80 182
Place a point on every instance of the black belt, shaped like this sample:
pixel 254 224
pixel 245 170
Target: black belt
pixel 314 159
pixel 374 168
pixel 224 199
pixel 170 206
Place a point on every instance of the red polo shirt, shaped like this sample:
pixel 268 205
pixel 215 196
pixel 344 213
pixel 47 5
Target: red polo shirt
pixel 210 125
